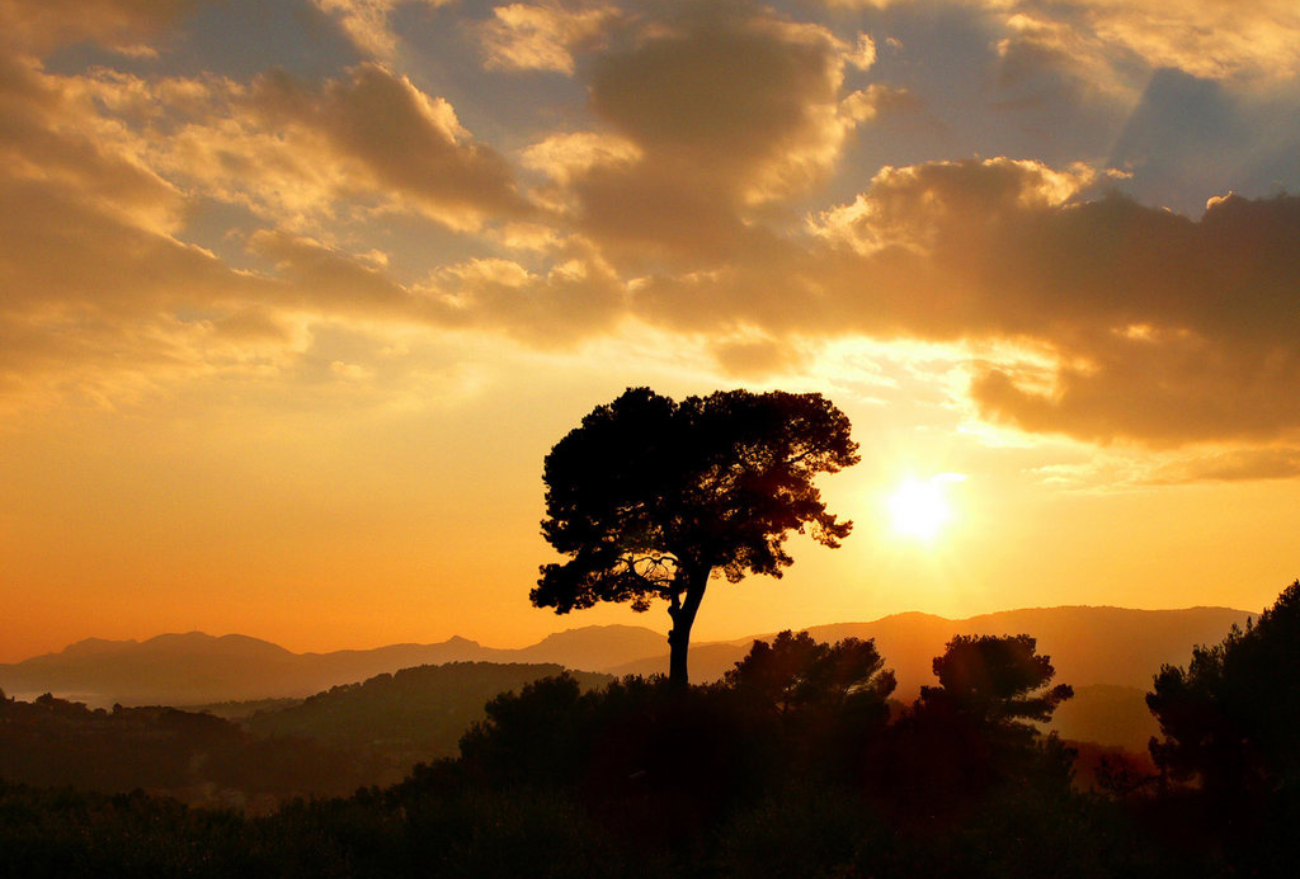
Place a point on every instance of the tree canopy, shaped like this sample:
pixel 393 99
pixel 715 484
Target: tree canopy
pixel 649 497
pixel 795 672
pixel 1230 718
pixel 999 679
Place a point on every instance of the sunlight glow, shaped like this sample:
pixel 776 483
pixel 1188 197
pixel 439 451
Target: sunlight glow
pixel 919 508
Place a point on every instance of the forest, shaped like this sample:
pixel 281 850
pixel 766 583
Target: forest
pixel 797 763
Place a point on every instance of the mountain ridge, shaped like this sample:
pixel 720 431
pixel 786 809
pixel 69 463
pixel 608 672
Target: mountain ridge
pixel 1090 645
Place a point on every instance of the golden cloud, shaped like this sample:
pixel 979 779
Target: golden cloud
pixel 523 36
pixel 1254 40
pixel 713 114
pixel 366 22
pixel 405 143
pixel 124 25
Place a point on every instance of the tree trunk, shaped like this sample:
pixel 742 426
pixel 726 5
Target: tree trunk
pixel 679 637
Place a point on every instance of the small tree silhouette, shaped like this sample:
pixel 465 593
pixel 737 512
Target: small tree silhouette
pixel 796 672
pixel 650 497
pixel 997 679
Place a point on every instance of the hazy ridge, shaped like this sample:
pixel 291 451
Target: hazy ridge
pixel 1089 646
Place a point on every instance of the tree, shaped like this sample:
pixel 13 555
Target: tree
pixel 649 498
pixel 1230 719
pixel 970 735
pixel 827 703
pixel 796 672
pixel 997 679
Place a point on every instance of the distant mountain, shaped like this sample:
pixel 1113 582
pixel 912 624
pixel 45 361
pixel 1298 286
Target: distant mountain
pixel 194 668
pixel 1088 645
pixel 595 647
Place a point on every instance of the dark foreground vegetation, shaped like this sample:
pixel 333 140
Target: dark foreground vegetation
pixel 794 765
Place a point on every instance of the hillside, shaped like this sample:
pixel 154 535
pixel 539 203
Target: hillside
pixel 196 758
pixel 351 736
pixel 417 714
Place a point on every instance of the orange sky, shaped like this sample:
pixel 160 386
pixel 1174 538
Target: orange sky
pixel 294 299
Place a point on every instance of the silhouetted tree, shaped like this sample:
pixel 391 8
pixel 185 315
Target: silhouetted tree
pixel 650 497
pixel 827 700
pixel 796 671
pixel 1230 719
pixel 996 679
pixel 969 735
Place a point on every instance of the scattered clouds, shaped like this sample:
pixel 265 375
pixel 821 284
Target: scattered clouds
pixel 302 154
pixel 682 183
pixel 1259 39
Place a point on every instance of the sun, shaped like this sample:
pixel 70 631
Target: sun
pixel 919 508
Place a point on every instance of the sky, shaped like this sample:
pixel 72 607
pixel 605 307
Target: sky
pixel 296 295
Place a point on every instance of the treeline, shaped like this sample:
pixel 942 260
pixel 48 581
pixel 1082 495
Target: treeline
pixel 796 764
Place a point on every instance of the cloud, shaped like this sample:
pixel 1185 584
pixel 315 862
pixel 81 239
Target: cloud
pixel 728 109
pixel 564 157
pixel 105 303
pixel 406 142
pixel 573 300
pixel 366 22
pixel 1100 318
pixel 1259 39
pixel 1231 465
pixel 1059 66
pixel 123 25
pixel 914 207
pixel 1205 38
pixel 1165 330
pixel 686 199
pixel 93 275
pixel 301 155
pixel 523 36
